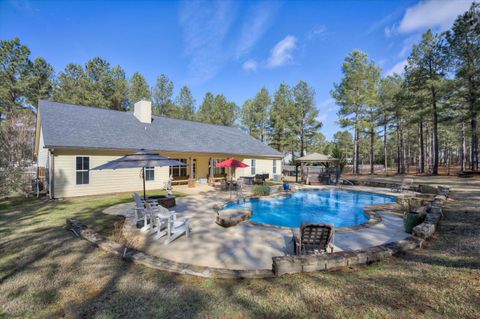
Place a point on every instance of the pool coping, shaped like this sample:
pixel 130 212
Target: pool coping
pixel 374 217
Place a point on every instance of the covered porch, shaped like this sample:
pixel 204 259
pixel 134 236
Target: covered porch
pixel 201 168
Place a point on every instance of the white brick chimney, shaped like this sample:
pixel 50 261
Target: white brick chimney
pixel 143 111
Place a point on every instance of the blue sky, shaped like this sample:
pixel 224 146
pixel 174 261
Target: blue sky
pixel 228 47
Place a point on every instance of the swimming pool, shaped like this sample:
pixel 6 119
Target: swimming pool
pixel 331 206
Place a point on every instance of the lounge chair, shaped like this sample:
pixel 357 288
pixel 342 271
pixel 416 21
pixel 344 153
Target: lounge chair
pixel 314 238
pixel 406 185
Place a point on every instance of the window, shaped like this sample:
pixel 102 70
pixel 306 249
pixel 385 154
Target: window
pixel 253 167
pixel 179 171
pixel 216 170
pixel 82 170
pixel 274 170
pixel 149 173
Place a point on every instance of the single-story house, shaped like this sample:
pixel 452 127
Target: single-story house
pixel 70 140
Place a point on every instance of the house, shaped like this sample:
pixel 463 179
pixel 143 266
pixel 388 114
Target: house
pixel 70 140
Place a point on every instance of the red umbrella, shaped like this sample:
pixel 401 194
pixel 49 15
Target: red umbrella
pixel 231 162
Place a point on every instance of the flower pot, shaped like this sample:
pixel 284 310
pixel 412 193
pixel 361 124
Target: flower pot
pixel 412 219
pixel 286 186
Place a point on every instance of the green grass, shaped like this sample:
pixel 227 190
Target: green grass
pixel 46 272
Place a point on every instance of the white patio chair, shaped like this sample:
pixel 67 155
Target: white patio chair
pixel 166 222
pixel 141 212
pixel 176 229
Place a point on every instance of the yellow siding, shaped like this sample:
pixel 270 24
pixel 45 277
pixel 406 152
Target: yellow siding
pixel 129 180
pixel 262 166
pixel 101 182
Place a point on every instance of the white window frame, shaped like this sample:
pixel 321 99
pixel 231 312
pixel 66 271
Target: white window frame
pixel 274 167
pixel 152 169
pixel 253 167
pixel 82 170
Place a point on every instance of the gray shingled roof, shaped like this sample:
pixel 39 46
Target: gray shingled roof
pixel 76 126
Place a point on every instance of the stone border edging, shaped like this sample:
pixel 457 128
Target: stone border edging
pixel 296 264
pixel 159 263
pixel 281 265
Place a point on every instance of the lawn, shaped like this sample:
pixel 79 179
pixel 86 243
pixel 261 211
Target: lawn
pixel 46 272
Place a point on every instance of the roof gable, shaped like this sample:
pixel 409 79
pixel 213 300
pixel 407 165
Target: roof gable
pixel 75 126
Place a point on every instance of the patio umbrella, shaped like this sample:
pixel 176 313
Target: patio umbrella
pixel 140 159
pixel 231 162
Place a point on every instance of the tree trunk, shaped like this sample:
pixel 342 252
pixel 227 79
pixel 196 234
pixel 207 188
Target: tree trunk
pixel 355 146
pixel 474 147
pixel 372 142
pixel 422 149
pixel 385 149
pixel 435 133
pixel 463 154
pixel 302 145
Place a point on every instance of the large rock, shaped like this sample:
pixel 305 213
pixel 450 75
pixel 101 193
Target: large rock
pixel 231 217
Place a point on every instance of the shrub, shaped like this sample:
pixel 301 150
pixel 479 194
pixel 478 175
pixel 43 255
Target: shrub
pixel 261 190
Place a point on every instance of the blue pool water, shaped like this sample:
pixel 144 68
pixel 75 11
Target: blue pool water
pixel 339 207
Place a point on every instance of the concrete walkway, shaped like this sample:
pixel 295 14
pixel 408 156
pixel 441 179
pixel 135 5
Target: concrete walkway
pixel 248 246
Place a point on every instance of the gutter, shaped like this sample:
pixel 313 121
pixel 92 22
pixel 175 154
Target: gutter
pixel 279 156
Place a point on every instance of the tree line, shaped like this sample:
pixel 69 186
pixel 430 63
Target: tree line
pixel 427 117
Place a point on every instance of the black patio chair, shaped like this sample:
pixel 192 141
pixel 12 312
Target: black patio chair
pixel 314 238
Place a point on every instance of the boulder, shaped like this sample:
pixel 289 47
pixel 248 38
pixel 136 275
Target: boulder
pixel 231 217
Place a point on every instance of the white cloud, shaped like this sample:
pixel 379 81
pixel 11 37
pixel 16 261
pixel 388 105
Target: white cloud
pixel 317 32
pixel 259 19
pixel 432 14
pixel 250 65
pixel 282 52
pixel 389 31
pixel 397 68
pixel 205 26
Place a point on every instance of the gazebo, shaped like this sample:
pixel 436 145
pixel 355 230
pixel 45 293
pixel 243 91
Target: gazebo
pixel 317 168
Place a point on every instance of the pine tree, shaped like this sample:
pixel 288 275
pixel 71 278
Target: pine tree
pixel 40 80
pixel 185 104
pixel 72 85
pixel 464 45
pixel 162 97
pixel 119 96
pixel 353 94
pixel 138 89
pixel 306 124
pixel 426 72
pixel 255 114
pixel 281 121
pixel 206 108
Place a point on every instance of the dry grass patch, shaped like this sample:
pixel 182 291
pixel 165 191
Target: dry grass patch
pixel 46 272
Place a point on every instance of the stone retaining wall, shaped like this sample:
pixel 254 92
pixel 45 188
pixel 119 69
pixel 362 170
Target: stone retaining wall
pixel 296 264
pixel 420 188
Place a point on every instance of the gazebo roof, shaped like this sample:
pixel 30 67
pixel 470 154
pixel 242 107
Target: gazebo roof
pixel 316 157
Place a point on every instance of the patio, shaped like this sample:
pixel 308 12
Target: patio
pixel 246 246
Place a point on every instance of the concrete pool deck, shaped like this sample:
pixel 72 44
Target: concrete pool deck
pixel 247 245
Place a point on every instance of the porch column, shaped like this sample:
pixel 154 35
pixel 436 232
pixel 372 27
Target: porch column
pixel 211 178
pixel 191 178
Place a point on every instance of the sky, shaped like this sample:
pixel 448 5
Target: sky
pixel 229 47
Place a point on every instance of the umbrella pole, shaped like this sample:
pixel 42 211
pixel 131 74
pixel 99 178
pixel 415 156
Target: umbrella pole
pixel 143 177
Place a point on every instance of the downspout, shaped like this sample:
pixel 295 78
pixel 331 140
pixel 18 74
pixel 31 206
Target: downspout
pixel 51 170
